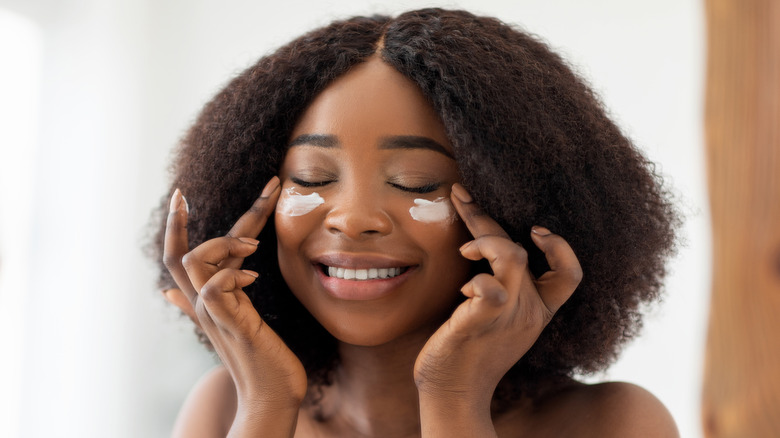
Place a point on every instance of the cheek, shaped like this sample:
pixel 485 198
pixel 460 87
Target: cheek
pixel 436 227
pixel 295 216
pixel 439 211
pixel 293 226
pixel 291 233
pixel 445 269
pixel 293 204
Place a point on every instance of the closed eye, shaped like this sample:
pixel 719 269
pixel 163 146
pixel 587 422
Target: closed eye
pixel 428 188
pixel 303 183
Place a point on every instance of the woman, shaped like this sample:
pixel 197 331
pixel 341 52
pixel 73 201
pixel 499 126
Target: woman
pixel 398 275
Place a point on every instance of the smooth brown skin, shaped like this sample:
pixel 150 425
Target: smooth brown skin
pixel 408 367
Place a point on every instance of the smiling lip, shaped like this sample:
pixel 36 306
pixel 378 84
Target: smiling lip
pixel 360 289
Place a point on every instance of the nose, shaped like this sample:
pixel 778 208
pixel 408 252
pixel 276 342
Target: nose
pixel 358 213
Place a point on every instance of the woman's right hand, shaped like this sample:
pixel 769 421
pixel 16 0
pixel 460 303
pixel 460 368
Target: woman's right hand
pixel 269 378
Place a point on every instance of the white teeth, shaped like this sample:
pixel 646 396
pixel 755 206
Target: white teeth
pixel 363 274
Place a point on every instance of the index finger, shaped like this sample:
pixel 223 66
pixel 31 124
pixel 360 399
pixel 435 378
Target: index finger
pixel 175 242
pixel 478 223
pixel 251 223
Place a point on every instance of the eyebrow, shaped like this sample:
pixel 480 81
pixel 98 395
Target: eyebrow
pixel 392 142
pixel 321 140
pixel 413 142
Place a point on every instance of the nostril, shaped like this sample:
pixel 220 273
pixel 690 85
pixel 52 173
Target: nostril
pixel 358 224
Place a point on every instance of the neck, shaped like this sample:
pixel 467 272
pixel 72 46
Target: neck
pixel 373 393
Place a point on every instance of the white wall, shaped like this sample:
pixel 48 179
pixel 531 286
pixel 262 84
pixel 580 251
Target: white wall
pixel 97 352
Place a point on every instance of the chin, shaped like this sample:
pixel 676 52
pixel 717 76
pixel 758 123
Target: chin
pixel 370 329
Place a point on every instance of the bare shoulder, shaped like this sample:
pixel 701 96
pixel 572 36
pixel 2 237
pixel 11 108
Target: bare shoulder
pixel 209 408
pixel 614 409
pixel 627 410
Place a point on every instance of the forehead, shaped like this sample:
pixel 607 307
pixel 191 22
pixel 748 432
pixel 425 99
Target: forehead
pixel 371 101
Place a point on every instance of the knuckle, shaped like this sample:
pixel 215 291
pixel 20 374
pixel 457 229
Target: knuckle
pixel 484 239
pixel 513 256
pixel 477 220
pixel 482 280
pixel 209 292
pixel 490 290
pixel 229 243
pixel 577 275
pixel 472 210
pixel 495 295
pixel 519 255
pixel 221 247
pixel 574 274
pixel 476 214
pixel 188 261
pixel 479 240
pixel 171 262
pixel 259 208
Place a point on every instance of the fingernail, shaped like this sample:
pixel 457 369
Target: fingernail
pixel 252 273
pixel 542 231
pixel 270 187
pixel 249 240
pixel 175 201
pixel 465 245
pixel 461 193
pixel 186 204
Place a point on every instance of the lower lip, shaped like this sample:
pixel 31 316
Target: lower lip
pixel 361 290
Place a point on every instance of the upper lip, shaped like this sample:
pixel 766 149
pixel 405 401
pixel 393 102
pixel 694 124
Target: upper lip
pixel 360 261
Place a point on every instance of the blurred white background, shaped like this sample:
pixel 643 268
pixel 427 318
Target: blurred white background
pixel 93 95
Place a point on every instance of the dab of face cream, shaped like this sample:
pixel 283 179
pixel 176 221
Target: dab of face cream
pixel 438 210
pixel 295 204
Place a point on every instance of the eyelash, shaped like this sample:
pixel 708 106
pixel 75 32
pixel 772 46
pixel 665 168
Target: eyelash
pixel 428 188
pixel 303 183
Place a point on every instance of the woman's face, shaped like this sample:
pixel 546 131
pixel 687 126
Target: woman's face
pixel 368 240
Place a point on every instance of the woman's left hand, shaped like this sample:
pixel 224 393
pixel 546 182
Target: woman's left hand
pixel 502 317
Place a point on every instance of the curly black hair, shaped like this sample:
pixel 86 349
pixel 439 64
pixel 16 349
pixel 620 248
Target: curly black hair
pixel 533 144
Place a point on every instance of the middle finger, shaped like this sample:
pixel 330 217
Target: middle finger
pixel 508 260
pixel 207 258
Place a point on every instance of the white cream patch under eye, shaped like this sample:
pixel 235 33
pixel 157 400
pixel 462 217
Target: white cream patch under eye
pixel 296 204
pixel 438 210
